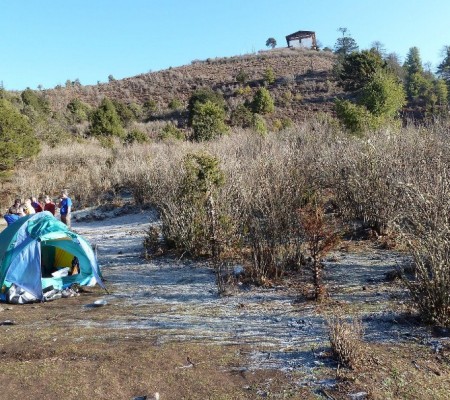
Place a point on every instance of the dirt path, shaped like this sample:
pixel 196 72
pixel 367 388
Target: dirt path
pixel 178 299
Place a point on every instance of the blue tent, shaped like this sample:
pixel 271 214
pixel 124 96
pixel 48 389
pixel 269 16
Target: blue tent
pixel 34 247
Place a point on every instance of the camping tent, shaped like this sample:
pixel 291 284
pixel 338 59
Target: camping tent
pixel 36 246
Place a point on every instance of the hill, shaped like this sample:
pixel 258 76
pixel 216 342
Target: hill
pixel 303 84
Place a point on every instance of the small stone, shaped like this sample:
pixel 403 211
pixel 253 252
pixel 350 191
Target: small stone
pixel 358 396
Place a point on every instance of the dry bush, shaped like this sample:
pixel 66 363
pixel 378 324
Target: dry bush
pixel 346 338
pixel 321 235
pixel 425 225
pixel 86 169
pixel 266 181
pixel 366 174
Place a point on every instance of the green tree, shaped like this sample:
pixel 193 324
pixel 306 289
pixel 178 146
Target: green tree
pixel 124 112
pixel 346 44
pixel 263 102
pixel 35 100
pixel 443 68
pixel 415 81
pixel 358 69
pixel 355 118
pixel 17 141
pixel 271 42
pixel 208 121
pixel 202 96
pixel 105 121
pixel 78 111
pixel 192 222
pixel 383 96
pixel 413 62
pixel 259 124
pixel 441 91
pixel 379 103
pixel 149 107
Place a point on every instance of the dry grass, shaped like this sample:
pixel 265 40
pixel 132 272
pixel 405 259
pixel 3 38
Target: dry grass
pixel 346 338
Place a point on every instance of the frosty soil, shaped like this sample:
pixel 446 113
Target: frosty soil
pixel 178 299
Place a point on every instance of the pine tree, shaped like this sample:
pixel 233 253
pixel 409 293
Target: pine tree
pixel 105 121
pixel 346 44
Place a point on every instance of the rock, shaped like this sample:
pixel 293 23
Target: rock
pixel 358 396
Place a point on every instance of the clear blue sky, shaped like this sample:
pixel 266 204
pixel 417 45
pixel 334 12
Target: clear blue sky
pixel 46 42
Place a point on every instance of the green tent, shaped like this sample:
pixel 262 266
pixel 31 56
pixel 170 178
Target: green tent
pixel 35 248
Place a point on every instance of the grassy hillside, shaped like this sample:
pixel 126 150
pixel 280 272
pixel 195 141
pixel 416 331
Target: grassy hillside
pixel 303 84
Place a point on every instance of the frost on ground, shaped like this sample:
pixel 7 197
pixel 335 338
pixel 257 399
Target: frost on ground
pixel 178 298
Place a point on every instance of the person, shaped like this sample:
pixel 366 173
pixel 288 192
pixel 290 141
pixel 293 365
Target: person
pixel 16 205
pixel 75 269
pixel 65 207
pixel 11 216
pixel 49 205
pixel 28 208
pixel 35 204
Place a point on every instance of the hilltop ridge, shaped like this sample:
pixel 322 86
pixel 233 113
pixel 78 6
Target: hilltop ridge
pixel 303 83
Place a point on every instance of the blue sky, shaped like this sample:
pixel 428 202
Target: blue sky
pixel 47 42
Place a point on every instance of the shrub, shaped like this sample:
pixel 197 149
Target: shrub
pixel 208 121
pixel 190 219
pixel 425 225
pixel 105 121
pixel 17 141
pixel 241 116
pixel 365 172
pixel 259 124
pixel 150 106
pixel 79 111
pixel 263 102
pixel 175 104
pixel 170 131
pixel 136 136
pixel 245 91
pixel 269 76
pixel 383 96
pixel 37 101
pixel 355 118
pixel 346 341
pixel 124 112
pixel 358 68
pixel 202 96
pixel 242 77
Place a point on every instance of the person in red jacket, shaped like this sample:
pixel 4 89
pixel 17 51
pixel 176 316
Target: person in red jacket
pixel 49 205
pixel 35 204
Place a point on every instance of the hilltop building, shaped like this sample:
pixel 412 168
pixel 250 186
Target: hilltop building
pixel 305 39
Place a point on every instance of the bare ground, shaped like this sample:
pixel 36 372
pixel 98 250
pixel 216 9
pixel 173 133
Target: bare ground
pixel 164 329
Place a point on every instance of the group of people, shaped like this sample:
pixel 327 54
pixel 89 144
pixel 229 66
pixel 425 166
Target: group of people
pixel 32 205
